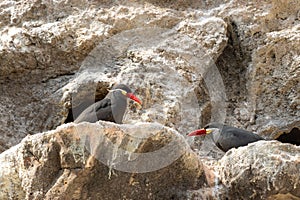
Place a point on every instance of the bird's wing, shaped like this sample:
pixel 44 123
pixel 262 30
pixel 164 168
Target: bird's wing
pixel 226 142
pixel 243 134
pixel 104 111
pixel 104 103
pixel 92 113
pixel 233 137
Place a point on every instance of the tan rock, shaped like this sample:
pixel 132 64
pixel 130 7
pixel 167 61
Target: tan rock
pixel 190 62
pixel 101 161
pixel 261 170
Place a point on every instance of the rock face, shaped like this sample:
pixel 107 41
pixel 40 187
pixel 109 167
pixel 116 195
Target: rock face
pixel 142 161
pixel 265 170
pixel 190 62
pixel 101 161
pixel 212 61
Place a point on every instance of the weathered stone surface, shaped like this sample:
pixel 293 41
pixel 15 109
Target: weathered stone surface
pixel 57 57
pixel 277 86
pixel 142 161
pixel 45 43
pixel 261 170
pixel 260 65
pixel 101 161
pixel 37 44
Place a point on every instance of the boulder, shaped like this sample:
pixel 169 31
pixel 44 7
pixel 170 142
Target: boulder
pixel 261 170
pixel 101 161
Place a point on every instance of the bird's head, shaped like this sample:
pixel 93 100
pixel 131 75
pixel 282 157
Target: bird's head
pixel 202 131
pixel 129 95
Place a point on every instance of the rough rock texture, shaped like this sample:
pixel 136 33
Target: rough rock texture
pixel 165 55
pixel 265 170
pixel 142 161
pixel 101 161
pixel 44 43
pixel 260 65
pixel 190 62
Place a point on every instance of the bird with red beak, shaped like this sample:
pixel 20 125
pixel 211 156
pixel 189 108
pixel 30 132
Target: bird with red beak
pixel 227 137
pixel 111 108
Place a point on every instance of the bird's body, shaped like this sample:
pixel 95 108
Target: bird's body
pixel 227 137
pixel 111 108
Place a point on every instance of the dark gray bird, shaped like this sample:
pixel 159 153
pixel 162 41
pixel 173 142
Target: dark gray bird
pixel 227 137
pixel 111 108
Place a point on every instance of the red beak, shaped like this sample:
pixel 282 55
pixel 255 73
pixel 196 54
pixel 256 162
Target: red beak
pixel 134 98
pixel 197 132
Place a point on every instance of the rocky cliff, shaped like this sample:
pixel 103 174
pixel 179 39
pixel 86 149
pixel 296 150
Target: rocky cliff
pixel 190 62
